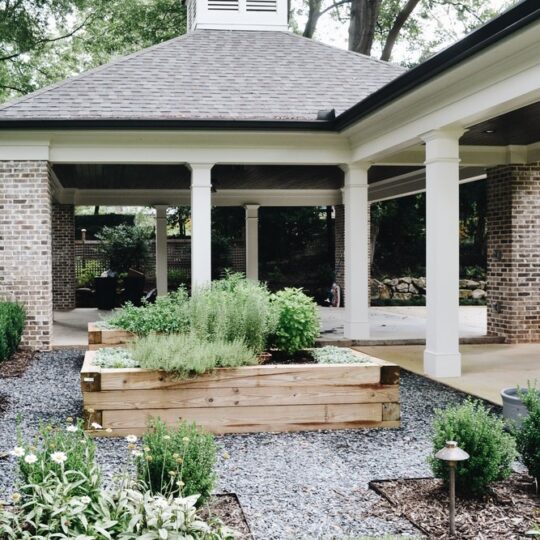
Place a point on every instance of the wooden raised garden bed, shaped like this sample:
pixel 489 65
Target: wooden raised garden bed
pixel 290 397
pixel 106 337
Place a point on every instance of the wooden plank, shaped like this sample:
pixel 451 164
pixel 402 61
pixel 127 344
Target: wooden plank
pixel 115 336
pixel 239 397
pixel 249 376
pixel 90 375
pixel 248 417
pixel 274 428
pixel 391 411
pixel 94 334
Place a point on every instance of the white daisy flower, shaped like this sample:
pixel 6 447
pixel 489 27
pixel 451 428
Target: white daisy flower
pixel 136 453
pixel 131 439
pixel 18 451
pixel 59 457
pixel 30 459
pixel 85 499
pixel 72 428
pixel 16 497
pixel 95 425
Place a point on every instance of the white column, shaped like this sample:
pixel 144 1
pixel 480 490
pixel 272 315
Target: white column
pixel 442 357
pixel 161 250
pixel 252 241
pixel 201 224
pixel 355 202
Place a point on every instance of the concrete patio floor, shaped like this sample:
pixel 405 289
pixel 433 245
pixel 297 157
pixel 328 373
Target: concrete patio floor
pixel 486 368
pixel 386 324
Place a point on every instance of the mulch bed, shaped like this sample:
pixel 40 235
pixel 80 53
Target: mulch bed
pixel 227 508
pixel 507 513
pixel 16 365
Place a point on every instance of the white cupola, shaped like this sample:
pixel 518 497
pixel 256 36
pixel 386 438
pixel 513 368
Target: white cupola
pixel 237 14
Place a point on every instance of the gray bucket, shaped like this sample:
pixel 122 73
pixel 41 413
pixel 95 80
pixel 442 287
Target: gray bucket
pixel 513 409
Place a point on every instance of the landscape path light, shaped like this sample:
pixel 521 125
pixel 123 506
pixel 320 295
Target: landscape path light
pixel 451 453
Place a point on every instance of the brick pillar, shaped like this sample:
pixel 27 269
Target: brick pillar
pixel 339 249
pixel 63 256
pixel 513 225
pixel 25 245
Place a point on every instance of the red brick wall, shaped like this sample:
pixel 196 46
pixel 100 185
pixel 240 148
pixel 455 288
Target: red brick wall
pixel 63 256
pixel 513 217
pixel 25 245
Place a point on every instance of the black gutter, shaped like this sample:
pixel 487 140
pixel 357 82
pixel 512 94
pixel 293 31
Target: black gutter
pixel 165 124
pixel 503 26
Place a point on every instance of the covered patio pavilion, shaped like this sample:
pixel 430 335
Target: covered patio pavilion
pixel 242 113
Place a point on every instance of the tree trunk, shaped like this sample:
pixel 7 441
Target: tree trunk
pixel 364 15
pixel 393 34
pixel 313 17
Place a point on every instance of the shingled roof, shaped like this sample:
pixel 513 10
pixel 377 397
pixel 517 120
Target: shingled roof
pixel 213 75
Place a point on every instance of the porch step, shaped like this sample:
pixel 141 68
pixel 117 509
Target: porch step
pixel 342 342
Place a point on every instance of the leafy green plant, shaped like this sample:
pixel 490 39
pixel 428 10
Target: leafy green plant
pixel 177 461
pixel 528 436
pixel 55 510
pixel 337 355
pixel 297 320
pixel 124 247
pixel 12 321
pixel 482 436
pixel 114 357
pixel 86 276
pixel 233 309
pixel 177 277
pixel 187 355
pixel 57 448
pixel 170 314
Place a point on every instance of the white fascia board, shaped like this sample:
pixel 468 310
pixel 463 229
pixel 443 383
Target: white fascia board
pixel 298 148
pixel 31 148
pixel 502 78
pixel 181 197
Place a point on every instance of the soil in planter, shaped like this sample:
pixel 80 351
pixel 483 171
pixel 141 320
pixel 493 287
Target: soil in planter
pixel 506 513
pixel 300 357
pixel 16 365
pixel 227 508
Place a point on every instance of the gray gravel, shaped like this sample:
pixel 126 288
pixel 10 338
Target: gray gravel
pixel 291 486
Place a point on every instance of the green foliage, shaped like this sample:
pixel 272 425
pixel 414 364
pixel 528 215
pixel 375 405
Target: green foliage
pixel 125 247
pixel 168 315
pixel 86 276
pixel 12 321
pixel 338 355
pixel 297 320
pixel 482 436
pixel 233 309
pixel 176 278
pixel 93 223
pixel 528 436
pixel 55 449
pixel 114 357
pixel 186 355
pixel 178 461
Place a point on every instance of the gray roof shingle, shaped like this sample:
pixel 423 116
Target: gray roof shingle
pixel 213 75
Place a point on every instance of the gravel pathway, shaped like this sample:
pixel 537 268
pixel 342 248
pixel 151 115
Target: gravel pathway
pixel 291 486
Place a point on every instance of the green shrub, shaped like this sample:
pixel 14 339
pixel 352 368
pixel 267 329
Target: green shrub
pixel 114 357
pixel 168 315
pixel 177 461
pixel 124 247
pixel 233 309
pixel 57 448
pixel 528 436
pixel 177 277
pixel 12 320
pixel 297 320
pixel 338 355
pixel 482 436
pixel 185 355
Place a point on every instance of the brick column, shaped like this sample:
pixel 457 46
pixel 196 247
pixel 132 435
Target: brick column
pixel 339 249
pixel 25 245
pixel 63 256
pixel 513 225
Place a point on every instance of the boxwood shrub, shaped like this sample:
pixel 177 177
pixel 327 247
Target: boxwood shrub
pixel 528 436
pixel 12 319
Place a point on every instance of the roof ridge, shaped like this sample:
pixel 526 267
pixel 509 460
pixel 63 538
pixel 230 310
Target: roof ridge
pixel 339 49
pixel 97 69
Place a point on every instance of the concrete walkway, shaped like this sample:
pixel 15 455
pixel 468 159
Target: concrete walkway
pixel 486 369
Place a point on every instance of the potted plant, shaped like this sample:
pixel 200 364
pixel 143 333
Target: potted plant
pixel 514 409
